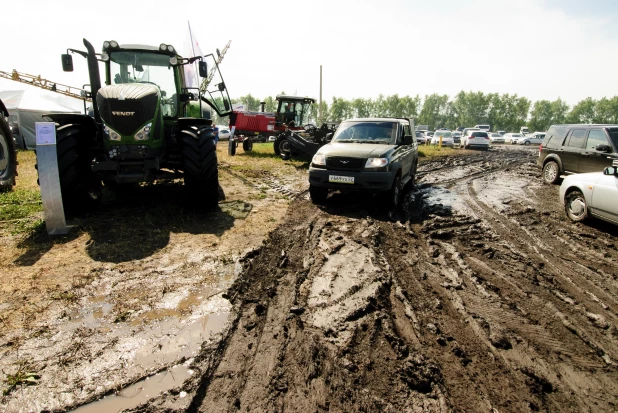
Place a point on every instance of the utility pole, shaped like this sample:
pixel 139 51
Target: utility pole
pixel 320 104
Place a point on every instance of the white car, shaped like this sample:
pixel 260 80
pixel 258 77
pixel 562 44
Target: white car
pixel 496 138
pixel 475 138
pixel 591 194
pixel 512 137
pixel 224 134
pixel 535 139
pixel 447 138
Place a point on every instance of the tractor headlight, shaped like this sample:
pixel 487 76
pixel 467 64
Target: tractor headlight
pixel 111 134
pixel 173 61
pixel 376 163
pixel 105 45
pixel 113 44
pixel 163 47
pixel 319 160
pixel 104 57
pixel 143 133
pixel 170 48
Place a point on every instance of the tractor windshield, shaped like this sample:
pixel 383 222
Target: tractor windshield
pixel 294 110
pixel 146 67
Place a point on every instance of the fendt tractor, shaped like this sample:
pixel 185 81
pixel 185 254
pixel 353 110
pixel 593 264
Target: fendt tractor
pixel 146 123
pixel 294 137
pixel 8 156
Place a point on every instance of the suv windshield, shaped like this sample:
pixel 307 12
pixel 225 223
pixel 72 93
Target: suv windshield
pixel 367 132
pixel 144 67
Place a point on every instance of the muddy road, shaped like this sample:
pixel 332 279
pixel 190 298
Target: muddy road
pixel 476 295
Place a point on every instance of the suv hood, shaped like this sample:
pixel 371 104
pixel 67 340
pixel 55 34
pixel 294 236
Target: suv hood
pixel 356 150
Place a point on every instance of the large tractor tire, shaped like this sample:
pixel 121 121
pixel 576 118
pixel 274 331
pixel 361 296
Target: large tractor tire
pixel 8 157
pixel 200 166
pixel 247 145
pixel 81 189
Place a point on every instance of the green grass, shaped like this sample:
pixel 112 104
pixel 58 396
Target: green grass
pixel 430 151
pixel 19 210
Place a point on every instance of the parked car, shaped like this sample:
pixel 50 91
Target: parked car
pixel 447 138
pixel 591 194
pixel 224 134
pixel 496 138
pixel 420 137
pixel 484 128
pixel 534 139
pixel 501 132
pixel 456 138
pixel 524 130
pixel 466 130
pixel 512 137
pixel 569 149
pixel 475 138
pixel 370 155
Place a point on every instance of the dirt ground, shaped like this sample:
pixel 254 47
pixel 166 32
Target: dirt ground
pixel 477 295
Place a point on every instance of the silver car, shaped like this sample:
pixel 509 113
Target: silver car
pixel 591 194
pixel 535 139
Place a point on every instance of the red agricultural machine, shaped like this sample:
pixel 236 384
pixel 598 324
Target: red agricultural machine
pixel 294 135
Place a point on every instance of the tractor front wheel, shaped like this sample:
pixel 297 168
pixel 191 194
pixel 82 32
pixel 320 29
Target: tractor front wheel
pixel 278 142
pixel 8 157
pixel 80 187
pixel 247 145
pixel 200 166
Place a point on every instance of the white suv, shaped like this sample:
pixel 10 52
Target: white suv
pixel 475 138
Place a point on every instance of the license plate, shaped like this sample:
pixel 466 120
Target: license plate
pixel 341 179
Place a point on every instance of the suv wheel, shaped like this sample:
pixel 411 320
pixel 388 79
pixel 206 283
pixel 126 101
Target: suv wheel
pixel 551 172
pixel 575 206
pixel 317 194
pixel 394 192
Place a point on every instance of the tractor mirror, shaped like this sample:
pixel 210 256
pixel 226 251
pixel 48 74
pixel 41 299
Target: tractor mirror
pixel 67 62
pixel 139 68
pixel 203 68
pixel 221 86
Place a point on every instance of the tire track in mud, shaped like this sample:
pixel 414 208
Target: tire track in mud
pixel 502 230
pixel 445 310
pixel 263 179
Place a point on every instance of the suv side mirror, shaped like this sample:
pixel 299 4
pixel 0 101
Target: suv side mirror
pixel 603 148
pixel 610 170
pixel 203 68
pixel 67 62
pixel 329 137
pixel 407 140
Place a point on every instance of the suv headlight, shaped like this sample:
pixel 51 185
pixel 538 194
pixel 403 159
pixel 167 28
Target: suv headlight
pixel 111 134
pixel 143 133
pixel 319 160
pixel 376 163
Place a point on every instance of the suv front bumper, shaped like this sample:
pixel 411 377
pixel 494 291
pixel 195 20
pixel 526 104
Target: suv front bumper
pixel 363 180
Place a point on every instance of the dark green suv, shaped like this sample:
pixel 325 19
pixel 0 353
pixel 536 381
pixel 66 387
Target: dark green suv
pixel 372 155
pixel 571 149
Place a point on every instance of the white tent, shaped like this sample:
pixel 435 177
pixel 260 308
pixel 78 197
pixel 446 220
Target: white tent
pixel 28 106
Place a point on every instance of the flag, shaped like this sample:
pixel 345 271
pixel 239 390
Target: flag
pixel 192 49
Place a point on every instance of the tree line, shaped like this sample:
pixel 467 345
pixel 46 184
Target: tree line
pixel 502 111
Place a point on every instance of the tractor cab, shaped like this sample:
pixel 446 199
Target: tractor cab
pixel 293 109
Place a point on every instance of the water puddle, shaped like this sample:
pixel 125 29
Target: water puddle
pixel 140 392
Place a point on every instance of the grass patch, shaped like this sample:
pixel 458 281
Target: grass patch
pixel 430 151
pixel 20 378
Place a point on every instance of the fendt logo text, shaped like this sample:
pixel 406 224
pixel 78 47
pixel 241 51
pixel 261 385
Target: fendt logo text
pixel 123 113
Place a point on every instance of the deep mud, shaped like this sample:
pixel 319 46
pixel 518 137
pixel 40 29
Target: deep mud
pixel 477 295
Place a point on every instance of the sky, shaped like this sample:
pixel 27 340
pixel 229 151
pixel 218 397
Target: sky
pixel 539 49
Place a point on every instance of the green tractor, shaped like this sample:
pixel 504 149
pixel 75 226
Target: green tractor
pixel 150 120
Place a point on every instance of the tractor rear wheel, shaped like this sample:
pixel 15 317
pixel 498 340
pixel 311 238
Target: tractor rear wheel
pixel 80 187
pixel 199 154
pixel 8 157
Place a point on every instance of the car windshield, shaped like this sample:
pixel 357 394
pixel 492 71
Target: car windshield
pixel 443 134
pixel 144 67
pixel 367 132
pixel 496 135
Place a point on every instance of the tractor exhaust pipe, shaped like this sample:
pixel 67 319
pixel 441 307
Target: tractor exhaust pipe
pixel 95 77
pixel 262 106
